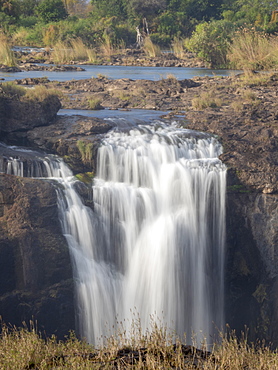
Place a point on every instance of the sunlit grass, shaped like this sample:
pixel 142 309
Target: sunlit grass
pixel 177 46
pixel 76 50
pixel 25 348
pixel 7 56
pixel 253 50
pixel 151 49
pixel 206 99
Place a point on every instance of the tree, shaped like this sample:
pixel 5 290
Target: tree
pixel 51 10
pixel 77 7
pixel 109 8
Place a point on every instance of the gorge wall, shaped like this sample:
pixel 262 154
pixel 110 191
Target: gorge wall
pixel 35 268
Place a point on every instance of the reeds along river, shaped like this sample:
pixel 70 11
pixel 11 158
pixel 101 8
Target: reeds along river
pixel 153 248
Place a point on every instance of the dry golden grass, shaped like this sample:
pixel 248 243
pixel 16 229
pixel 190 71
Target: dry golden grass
pixel 12 89
pixel 94 103
pixel 252 50
pixel 24 348
pixel 107 48
pixel 150 48
pixel 7 56
pixel 178 47
pixel 206 99
pixel 74 51
pixel 37 93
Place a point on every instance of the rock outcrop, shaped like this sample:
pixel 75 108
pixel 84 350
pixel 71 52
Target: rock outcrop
pixel 35 266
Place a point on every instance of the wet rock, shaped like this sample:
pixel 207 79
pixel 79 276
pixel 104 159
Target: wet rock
pixel 62 138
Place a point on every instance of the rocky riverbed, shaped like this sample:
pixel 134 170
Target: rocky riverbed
pixel 241 110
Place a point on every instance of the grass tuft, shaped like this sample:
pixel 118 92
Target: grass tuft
pixel 150 48
pixel 206 100
pixel 253 50
pixel 7 56
pixel 94 103
pixel 86 151
pixel 66 52
pixel 178 47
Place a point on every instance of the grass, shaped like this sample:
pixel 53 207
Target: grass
pixel 107 48
pixel 86 177
pixel 24 348
pixel 7 56
pixel 73 51
pixel 13 90
pixel 178 47
pixel 206 99
pixel 94 103
pixel 253 50
pixel 37 93
pixel 150 48
pixel 86 151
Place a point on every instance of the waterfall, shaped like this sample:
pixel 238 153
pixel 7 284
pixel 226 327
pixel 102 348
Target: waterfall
pixel 154 244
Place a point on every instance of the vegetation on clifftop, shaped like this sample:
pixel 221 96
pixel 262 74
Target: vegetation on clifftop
pixel 209 29
pixel 23 348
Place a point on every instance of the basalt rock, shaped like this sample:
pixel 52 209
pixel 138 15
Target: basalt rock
pixel 22 115
pixel 35 273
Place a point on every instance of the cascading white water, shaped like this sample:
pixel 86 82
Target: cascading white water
pixel 154 244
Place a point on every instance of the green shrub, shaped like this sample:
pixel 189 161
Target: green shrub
pixel 211 41
pixel 51 10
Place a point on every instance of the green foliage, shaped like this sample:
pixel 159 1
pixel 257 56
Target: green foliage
pixel 95 104
pixel 51 10
pixel 86 177
pixel 86 151
pixel 211 42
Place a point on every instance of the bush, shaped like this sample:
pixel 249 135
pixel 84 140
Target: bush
pixel 211 41
pixel 51 10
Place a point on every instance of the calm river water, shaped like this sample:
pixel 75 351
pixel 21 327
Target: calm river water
pixel 115 72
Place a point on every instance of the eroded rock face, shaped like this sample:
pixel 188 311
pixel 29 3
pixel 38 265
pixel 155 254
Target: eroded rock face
pixel 251 268
pixel 35 273
pixel 18 116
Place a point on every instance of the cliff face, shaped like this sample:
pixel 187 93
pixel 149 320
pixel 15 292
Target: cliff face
pixel 251 265
pixel 35 267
